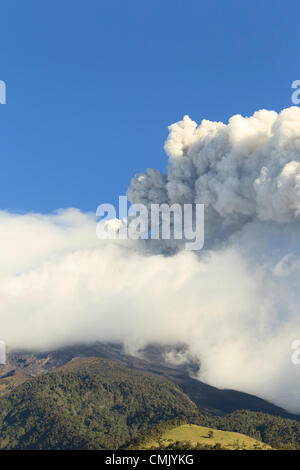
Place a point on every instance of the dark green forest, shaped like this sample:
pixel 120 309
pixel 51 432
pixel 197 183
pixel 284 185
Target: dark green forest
pixel 102 404
pixel 99 404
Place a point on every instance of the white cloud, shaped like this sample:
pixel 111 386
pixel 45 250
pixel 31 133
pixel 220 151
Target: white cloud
pixel 236 305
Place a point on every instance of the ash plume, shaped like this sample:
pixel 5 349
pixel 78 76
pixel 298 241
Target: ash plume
pixel 235 304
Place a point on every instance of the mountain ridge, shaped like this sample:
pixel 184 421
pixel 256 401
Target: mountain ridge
pixel 97 403
pixel 24 365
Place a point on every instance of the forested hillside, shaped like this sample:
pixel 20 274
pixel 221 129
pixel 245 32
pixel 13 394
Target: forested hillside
pixel 89 404
pixel 278 432
pixel 95 403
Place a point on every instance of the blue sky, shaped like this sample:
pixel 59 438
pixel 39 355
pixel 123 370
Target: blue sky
pixel 92 86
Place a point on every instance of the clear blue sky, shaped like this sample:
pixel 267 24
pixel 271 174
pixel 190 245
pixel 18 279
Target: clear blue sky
pixel 92 86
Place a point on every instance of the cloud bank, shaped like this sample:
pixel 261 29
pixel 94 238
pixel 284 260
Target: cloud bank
pixel 235 304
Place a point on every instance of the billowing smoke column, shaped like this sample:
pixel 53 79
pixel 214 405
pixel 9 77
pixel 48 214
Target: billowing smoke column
pixel 246 170
pixel 235 304
pixel 247 174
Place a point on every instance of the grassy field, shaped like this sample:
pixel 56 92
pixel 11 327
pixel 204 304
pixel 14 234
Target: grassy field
pixel 200 434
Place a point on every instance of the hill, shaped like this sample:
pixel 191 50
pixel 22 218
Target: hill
pixel 88 404
pixel 190 436
pixel 95 403
pixel 278 432
pixel 23 365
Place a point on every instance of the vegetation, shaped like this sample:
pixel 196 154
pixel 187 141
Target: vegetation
pixel 278 432
pixel 90 404
pixel 101 404
pixel 189 436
